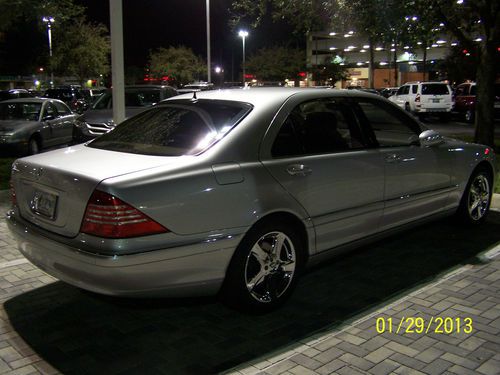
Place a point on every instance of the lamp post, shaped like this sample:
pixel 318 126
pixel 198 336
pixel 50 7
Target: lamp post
pixel 209 76
pixel 243 34
pixel 49 21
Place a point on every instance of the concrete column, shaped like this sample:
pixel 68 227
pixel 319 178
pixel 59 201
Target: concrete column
pixel 117 70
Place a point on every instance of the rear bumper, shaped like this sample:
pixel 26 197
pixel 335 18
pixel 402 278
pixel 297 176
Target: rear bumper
pixel 200 270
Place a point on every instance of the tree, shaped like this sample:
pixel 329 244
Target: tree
pixel 476 25
pixel 276 64
pixel 179 64
pixel 81 50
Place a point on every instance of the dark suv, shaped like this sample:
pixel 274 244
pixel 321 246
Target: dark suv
pixel 70 95
pixel 99 117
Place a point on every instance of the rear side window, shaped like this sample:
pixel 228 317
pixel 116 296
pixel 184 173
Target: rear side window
pixel 434 89
pixel 178 128
pixel 414 89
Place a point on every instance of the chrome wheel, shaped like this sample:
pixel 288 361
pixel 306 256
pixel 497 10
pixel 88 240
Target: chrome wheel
pixel 270 267
pixel 479 197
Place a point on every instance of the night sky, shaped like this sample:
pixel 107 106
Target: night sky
pixel 149 24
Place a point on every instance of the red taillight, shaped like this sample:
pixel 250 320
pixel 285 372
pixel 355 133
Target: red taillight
pixel 417 98
pixel 110 217
pixel 13 197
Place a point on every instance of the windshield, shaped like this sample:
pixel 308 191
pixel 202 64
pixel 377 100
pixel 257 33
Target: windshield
pixel 20 111
pixel 181 127
pixel 435 89
pixel 133 98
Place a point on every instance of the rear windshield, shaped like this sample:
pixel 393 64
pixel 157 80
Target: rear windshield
pixel 133 98
pixel 20 111
pixel 181 127
pixel 435 89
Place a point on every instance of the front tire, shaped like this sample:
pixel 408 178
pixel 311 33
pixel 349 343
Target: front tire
pixel 476 200
pixel 469 115
pixel 265 268
pixel 33 146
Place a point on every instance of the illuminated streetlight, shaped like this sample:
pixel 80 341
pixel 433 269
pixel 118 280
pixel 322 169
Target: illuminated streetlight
pixel 49 21
pixel 243 34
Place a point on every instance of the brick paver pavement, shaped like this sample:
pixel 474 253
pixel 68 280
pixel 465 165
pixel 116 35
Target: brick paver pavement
pixel 47 327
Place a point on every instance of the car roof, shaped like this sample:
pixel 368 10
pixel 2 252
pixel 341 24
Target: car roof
pixel 263 95
pixel 30 100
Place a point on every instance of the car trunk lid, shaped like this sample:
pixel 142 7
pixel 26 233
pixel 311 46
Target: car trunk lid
pixel 52 189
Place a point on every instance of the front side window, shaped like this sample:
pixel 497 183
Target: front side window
pixel 318 127
pixel 390 126
pixel 182 127
pixel 62 108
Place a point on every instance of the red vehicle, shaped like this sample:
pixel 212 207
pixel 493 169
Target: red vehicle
pixel 465 100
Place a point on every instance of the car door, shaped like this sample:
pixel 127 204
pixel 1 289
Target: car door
pixel 65 121
pixel 417 179
pixel 50 122
pixel 317 152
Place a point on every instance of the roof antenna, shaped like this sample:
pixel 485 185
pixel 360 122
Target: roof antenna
pixel 194 96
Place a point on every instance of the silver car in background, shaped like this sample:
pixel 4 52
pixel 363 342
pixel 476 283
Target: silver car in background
pixel 28 125
pixel 98 119
pixel 235 191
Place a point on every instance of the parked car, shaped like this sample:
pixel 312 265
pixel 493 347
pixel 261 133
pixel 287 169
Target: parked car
pixel 465 100
pixel 98 119
pixel 195 87
pixel 14 94
pixel 70 95
pixel 29 125
pixel 422 98
pixel 91 95
pixel 237 191
pixel 387 92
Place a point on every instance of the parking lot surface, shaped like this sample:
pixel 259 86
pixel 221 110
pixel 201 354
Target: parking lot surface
pixel 376 310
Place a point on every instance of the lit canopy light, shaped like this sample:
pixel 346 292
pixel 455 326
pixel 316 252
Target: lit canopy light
pixel 454 44
pixel 333 48
pixel 478 39
pixel 419 43
pixel 434 45
pixel 347 35
pixel 351 32
pixel 441 24
pixel 393 45
pixel 383 63
pixel 441 41
pixel 333 33
pixel 412 62
pixel 460 1
pixel 342 63
pixel 366 46
pixel 414 18
pixel 359 63
pixel 406 47
pixel 362 50
pixel 393 49
pixel 352 47
pixel 367 62
pixel 432 62
pixel 379 49
pixel 347 50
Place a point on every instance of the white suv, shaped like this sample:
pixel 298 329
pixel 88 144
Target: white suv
pixel 424 97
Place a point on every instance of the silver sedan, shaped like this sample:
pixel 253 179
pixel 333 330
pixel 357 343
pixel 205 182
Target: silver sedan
pixel 27 125
pixel 236 191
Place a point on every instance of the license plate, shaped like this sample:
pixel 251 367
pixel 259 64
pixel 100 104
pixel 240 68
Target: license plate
pixel 44 204
pixel 436 110
pixel 436 100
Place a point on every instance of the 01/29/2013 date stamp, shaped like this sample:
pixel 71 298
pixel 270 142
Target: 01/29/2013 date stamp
pixel 419 325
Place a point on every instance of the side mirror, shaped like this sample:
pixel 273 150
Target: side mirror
pixel 48 117
pixel 430 138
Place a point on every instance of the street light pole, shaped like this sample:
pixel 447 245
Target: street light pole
pixel 49 21
pixel 243 34
pixel 209 73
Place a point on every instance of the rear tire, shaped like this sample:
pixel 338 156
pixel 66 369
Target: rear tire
pixel 476 200
pixel 265 268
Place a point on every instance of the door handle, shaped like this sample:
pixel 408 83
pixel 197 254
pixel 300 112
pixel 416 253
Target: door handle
pixel 393 158
pixel 298 170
